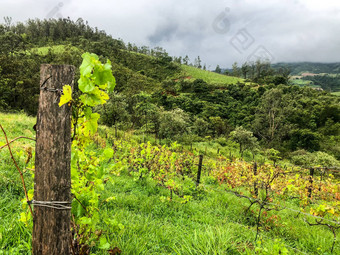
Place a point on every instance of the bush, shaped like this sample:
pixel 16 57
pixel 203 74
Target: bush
pixel 318 158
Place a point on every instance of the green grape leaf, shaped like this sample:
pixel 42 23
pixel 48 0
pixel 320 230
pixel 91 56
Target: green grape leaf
pixel 103 244
pixel 87 112
pixel 111 84
pixel 85 84
pixel 91 125
pixel 89 60
pixel 108 65
pixel 102 76
pixel 90 99
pixel 103 97
pixel 66 96
pixel 96 97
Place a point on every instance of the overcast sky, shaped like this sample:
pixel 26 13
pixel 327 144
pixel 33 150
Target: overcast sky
pixel 220 32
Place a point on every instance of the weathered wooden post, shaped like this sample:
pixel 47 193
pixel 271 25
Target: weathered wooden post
pixel 256 190
pixel 310 188
pixel 52 181
pixel 199 170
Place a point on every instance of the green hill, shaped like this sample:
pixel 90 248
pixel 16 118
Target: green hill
pixel 153 87
pixel 191 73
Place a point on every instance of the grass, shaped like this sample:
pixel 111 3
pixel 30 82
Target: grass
pixel 301 82
pixel 191 72
pixel 15 238
pixel 213 224
pixel 147 222
pixel 56 49
pixel 336 93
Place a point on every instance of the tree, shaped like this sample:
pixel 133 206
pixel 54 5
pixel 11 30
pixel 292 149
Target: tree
pixel 236 70
pixel 271 115
pixel 245 70
pixel 198 62
pixel 244 138
pixel 178 60
pixel 200 127
pixel 305 139
pixel 218 69
pixel 114 111
pixel 317 158
pixel 218 126
pixel 273 155
pixel 186 60
pixel 173 123
pixel 145 110
pixel 200 86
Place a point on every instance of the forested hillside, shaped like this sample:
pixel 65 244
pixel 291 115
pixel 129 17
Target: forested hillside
pixel 165 97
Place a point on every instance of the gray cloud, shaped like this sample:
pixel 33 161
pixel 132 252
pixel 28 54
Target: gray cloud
pixel 291 30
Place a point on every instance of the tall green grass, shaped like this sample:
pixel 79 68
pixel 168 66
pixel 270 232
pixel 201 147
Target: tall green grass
pixel 191 72
pixel 146 221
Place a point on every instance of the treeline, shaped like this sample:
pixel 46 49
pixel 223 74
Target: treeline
pixel 284 117
pixel 326 82
pixel 259 71
pixel 302 67
pixel 151 98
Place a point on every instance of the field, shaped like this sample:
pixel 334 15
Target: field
pixel 336 93
pixel 161 216
pixel 208 76
pixel 56 49
pixel 302 82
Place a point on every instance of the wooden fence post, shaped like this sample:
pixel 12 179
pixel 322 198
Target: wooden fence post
pixel 256 190
pixel 310 188
pixel 52 181
pixel 199 170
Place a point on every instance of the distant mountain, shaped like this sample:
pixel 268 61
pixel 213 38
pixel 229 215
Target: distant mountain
pixel 298 68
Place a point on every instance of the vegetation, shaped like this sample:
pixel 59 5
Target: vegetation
pixel 191 73
pixel 326 82
pixel 303 67
pixel 183 219
pixel 164 114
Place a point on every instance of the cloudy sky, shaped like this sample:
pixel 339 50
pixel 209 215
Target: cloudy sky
pixel 220 32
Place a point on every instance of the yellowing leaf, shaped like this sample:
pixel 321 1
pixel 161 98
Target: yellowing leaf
pixel 66 96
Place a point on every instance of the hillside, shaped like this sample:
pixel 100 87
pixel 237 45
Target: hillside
pixel 192 73
pixel 322 76
pixel 155 90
